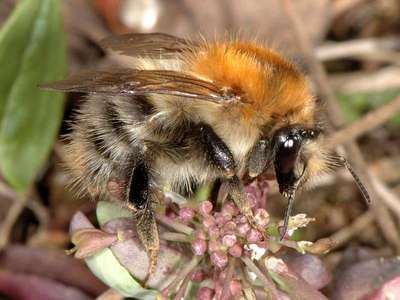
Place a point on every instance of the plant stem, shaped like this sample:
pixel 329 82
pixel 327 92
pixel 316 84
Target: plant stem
pixel 177 226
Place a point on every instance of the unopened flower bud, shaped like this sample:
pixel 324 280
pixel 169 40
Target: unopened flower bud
pixel 198 276
pixel 229 226
pixel 219 259
pixel 236 250
pixel 214 232
pixel 199 247
pixel 200 235
pixel 205 208
pixel 230 208
pixel 243 228
pixel 229 240
pixel 219 219
pixel 253 236
pixel 235 287
pixel 205 293
pixel 213 245
pixel 186 214
pixel 208 221
pixel 261 217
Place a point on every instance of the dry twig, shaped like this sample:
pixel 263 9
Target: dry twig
pixel 345 234
pixel 381 213
pixel 368 48
pixel 367 123
pixel 11 218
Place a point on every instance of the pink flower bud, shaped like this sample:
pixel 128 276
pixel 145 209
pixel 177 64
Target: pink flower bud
pixel 261 217
pixel 229 226
pixel 222 276
pixel 186 214
pixel 205 208
pixel 199 246
pixel 243 219
pixel 236 250
pixel 208 221
pixel 229 240
pixel 227 216
pixel 171 215
pixel 235 287
pixel 200 235
pixel 205 293
pixel 219 259
pixel 219 219
pixel 198 276
pixel 214 245
pixel 230 208
pixel 214 232
pixel 243 228
pixel 253 236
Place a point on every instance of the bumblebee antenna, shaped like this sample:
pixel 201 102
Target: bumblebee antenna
pixel 283 229
pixel 357 180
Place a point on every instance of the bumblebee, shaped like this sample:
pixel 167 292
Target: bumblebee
pixel 187 114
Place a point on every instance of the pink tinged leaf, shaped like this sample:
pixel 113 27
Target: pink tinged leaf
pixel 90 241
pixel 361 279
pixel 28 287
pixel 290 282
pixel 131 254
pixel 310 268
pixel 52 264
pixel 389 290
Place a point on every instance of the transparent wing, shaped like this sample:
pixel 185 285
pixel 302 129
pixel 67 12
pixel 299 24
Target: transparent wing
pixel 155 45
pixel 141 82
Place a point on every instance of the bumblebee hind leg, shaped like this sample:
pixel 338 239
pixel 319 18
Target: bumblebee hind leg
pixel 220 157
pixel 140 200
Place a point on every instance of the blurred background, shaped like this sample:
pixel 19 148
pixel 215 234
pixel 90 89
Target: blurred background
pixel 356 41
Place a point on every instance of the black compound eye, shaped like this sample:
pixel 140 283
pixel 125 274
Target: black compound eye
pixel 286 157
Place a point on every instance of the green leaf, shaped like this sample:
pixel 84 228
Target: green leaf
pixel 107 211
pixel 355 104
pixel 109 270
pixel 32 51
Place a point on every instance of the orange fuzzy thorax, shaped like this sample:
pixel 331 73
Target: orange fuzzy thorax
pixel 270 87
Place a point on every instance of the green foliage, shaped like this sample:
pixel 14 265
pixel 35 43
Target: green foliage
pixel 32 51
pixel 356 104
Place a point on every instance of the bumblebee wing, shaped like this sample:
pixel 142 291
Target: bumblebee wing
pixel 154 45
pixel 141 82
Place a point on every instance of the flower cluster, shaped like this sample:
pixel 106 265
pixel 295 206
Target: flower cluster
pixel 207 251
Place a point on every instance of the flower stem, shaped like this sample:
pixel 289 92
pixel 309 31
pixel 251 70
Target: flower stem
pixel 268 283
pixel 177 226
pixel 229 274
pixel 182 275
pixel 175 237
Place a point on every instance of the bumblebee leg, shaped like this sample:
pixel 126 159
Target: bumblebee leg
pixel 221 157
pixel 140 197
pixel 218 153
pixel 147 230
pixel 258 158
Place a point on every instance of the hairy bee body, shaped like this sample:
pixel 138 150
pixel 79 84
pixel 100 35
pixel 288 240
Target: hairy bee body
pixel 185 114
pixel 112 133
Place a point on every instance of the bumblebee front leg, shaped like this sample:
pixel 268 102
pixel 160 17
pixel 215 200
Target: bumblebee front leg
pixel 140 200
pixel 221 158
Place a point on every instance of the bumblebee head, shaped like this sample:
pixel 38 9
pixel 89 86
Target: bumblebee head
pixel 291 153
